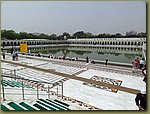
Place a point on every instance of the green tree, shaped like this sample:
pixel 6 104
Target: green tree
pixel 66 35
pixel 53 37
pixel 131 33
pixel 9 34
pixel 43 36
pixel 23 35
pixel 141 34
pixel 79 34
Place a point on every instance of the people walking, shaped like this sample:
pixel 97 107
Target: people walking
pixel 140 100
pixel 106 62
pixel 12 50
pixel 141 63
pixel 138 62
pixel 16 56
pixel 87 59
pixel 13 56
pixel 3 54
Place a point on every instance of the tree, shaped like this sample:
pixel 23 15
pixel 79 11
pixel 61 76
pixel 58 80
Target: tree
pixel 104 35
pixel 43 36
pixel 53 37
pixel 119 35
pixel 131 33
pixel 32 36
pixel 142 34
pixel 67 35
pixel 9 34
pixel 89 35
pixel 79 34
pixel 23 35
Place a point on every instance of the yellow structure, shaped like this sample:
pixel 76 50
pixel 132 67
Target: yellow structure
pixel 23 48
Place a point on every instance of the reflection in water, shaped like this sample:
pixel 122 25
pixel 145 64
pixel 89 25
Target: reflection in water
pixel 124 56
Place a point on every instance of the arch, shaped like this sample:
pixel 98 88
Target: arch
pixel 18 43
pixel 125 43
pixel 110 43
pixel 139 43
pixel 3 43
pixel 15 43
pixel 11 43
pixel 128 43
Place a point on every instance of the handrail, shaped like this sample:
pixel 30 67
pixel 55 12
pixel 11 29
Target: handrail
pixel 7 69
pixel 121 88
pixel 22 78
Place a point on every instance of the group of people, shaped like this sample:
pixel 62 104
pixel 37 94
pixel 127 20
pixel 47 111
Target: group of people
pixel 138 63
pixel 89 61
pixel 140 98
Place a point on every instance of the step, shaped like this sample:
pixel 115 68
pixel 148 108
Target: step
pixel 45 105
pixel 26 106
pixel 4 107
pixel 52 104
pixel 15 106
pixel 4 84
pixel 62 103
pixel 39 107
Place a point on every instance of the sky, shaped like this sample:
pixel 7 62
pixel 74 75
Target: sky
pixel 57 17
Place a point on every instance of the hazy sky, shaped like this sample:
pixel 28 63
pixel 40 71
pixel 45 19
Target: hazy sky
pixel 71 16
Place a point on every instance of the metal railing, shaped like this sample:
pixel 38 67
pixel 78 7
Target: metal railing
pixel 36 85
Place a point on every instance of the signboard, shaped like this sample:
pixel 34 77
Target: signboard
pixel 23 48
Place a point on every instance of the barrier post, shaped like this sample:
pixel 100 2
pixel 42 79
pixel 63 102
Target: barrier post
pixel 3 90
pixel 57 91
pixel 15 73
pixel 48 92
pixel 23 90
pixel 62 90
pixel 37 92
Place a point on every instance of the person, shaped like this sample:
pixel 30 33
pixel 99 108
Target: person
pixel 3 54
pixel 87 59
pixel 141 63
pixel 29 51
pixel 106 62
pixel 144 72
pixel 12 50
pixel 140 100
pixel 16 56
pixel 39 55
pixel 93 62
pixel 13 56
pixel 138 62
pixel 76 58
pixel 63 57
